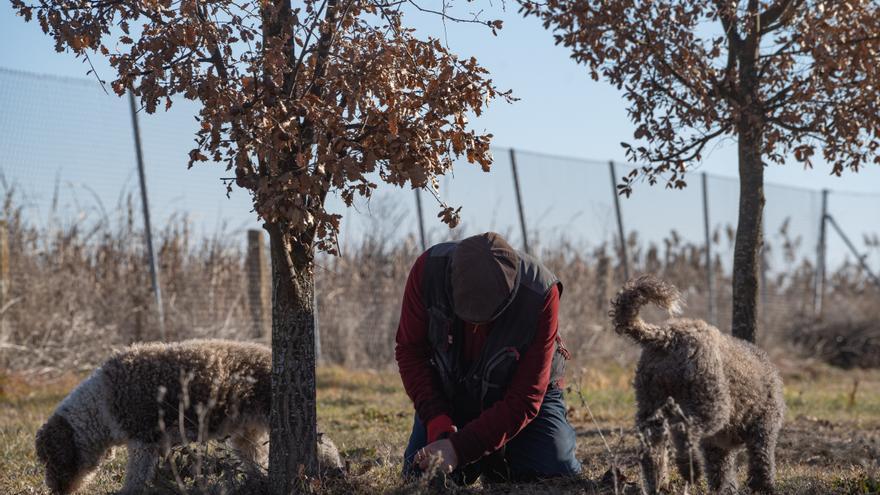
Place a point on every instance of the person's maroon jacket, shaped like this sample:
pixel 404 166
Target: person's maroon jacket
pixel 504 419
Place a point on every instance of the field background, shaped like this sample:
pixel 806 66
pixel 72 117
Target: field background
pixel 75 285
pixel 81 289
pixel 78 280
pixel 830 443
pixel 78 287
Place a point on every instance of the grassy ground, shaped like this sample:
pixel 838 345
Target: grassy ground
pixel 831 442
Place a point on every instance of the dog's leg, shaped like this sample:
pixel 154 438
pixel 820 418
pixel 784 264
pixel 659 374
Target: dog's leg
pixel 655 446
pixel 761 447
pixel 250 444
pixel 720 465
pixel 141 467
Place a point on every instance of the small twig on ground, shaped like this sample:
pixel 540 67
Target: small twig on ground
pixel 851 403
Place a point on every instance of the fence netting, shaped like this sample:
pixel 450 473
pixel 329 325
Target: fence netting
pixel 77 281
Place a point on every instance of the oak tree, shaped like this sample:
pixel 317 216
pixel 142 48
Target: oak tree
pixel 300 100
pixel 785 78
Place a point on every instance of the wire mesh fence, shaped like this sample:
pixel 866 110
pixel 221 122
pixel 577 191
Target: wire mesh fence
pixel 75 277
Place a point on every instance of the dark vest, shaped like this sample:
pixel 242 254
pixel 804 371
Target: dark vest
pixel 485 380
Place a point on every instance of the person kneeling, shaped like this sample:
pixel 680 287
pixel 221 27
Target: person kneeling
pixel 480 356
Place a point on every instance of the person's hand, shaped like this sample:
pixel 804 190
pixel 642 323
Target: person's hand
pixel 441 449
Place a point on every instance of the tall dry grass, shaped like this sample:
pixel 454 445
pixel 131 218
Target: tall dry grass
pixel 80 286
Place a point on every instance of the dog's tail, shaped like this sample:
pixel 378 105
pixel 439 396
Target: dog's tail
pixel 635 294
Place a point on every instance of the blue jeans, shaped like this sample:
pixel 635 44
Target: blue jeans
pixel 545 448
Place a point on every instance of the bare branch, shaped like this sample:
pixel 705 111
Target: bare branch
pixel 690 151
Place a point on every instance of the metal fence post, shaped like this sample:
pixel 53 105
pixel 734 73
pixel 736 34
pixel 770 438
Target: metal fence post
pixel 852 248
pixel 620 233
pixel 154 268
pixel 710 268
pixel 258 282
pixel 819 283
pixel 421 220
pixel 4 276
pixel 519 203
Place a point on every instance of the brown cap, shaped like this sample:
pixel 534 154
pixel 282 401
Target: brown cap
pixel 484 277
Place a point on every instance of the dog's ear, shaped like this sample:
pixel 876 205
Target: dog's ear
pixel 56 449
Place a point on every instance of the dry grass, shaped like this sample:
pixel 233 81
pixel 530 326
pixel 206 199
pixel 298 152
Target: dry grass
pixel 830 444
pixel 79 285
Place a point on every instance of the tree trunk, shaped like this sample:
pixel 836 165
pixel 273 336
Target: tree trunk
pixel 750 130
pixel 746 260
pixel 293 418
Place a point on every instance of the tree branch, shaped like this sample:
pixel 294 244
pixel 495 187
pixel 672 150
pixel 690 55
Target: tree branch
pixel 782 11
pixel 446 16
pixel 696 145
pixel 803 129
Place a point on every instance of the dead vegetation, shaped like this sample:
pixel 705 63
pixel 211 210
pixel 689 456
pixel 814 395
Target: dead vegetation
pixel 79 285
pixel 829 445
pixel 844 343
